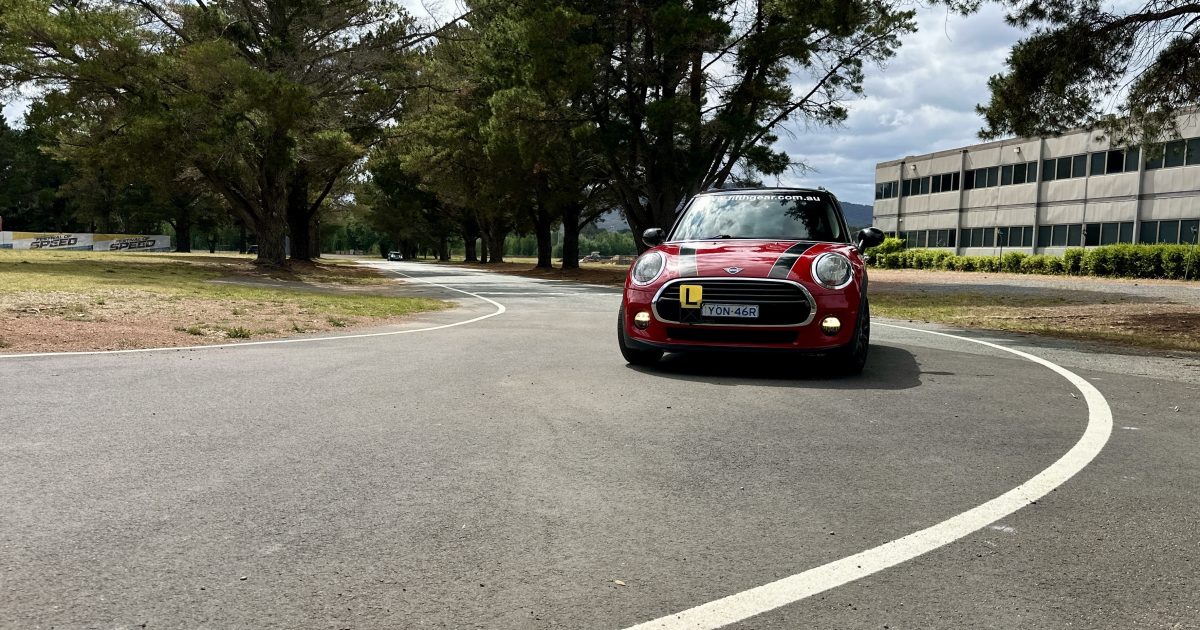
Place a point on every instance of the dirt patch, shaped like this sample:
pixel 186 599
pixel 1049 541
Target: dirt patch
pixel 63 303
pixel 120 320
pixel 1161 314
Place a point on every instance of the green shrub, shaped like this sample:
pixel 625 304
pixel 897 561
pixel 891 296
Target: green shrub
pixel 1174 258
pixel 1097 262
pixel 1055 265
pixel 1038 263
pixel 1146 262
pixel 1011 262
pixel 890 245
pixel 1072 259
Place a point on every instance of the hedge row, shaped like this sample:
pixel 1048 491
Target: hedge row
pixel 1130 261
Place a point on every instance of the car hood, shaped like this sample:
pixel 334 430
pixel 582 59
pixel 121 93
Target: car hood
pixel 741 258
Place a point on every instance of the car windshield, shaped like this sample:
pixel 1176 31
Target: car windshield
pixel 800 216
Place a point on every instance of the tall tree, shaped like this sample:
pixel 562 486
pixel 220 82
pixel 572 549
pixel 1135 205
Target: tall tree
pixel 689 93
pixel 540 67
pixel 273 101
pixel 1129 69
pixel 30 181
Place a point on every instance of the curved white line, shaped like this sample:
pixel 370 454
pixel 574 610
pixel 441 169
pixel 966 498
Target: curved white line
pixel 792 589
pixel 499 311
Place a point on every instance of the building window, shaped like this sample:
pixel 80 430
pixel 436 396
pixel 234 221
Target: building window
pixel 1108 233
pixel 1168 231
pixel 1043 236
pixel 1132 155
pixel 1114 161
pixel 1126 232
pixel 1174 154
pixel 1149 232
pixel 886 190
pixel 1189 232
pixel 1048 170
pixel 1058 236
pixel 1079 166
pixel 1074 234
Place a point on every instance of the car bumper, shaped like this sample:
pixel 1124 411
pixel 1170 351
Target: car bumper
pixel 670 336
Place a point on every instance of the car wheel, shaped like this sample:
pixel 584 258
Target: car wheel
pixel 851 359
pixel 634 356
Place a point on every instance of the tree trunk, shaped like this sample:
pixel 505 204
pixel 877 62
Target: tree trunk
pixel 496 236
pixel 444 249
pixel 271 228
pixel 298 217
pixel 570 221
pixel 483 250
pixel 545 242
pixel 242 238
pixel 470 232
pixel 183 230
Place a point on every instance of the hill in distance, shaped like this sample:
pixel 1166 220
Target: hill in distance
pixel 857 215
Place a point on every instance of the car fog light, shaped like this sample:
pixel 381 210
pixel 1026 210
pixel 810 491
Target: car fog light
pixel 642 320
pixel 831 325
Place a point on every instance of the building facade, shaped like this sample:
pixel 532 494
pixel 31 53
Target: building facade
pixel 1042 195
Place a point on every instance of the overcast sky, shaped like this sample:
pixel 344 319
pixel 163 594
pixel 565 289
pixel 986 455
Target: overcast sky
pixel 923 101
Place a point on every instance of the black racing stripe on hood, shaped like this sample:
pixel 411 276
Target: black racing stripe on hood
pixel 783 265
pixel 687 262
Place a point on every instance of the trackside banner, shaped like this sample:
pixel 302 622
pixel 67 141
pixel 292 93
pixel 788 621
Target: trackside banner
pixel 131 243
pixel 49 240
pixel 86 242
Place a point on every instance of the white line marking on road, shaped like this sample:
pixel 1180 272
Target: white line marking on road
pixel 527 293
pixel 499 311
pixel 792 589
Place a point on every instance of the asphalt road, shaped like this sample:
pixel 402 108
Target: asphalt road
pixel 513 472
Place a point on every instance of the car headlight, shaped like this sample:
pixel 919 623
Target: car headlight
pixel 832 271
pixel 647 268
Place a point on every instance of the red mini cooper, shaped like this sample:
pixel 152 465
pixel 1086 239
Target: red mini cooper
pixel 761 269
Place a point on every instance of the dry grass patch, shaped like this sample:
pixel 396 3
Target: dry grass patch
pixel 53 301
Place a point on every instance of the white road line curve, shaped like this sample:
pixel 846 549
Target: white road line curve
pixel 500 309
pixel 761 599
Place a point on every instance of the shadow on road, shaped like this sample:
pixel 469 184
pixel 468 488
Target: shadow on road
pixel 888 368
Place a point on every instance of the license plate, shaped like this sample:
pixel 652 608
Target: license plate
pixel 730 310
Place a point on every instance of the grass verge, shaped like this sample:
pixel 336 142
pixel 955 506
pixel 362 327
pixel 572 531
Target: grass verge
pixel 1162 326
pixel 85 300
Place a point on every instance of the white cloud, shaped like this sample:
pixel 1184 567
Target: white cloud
pixel 923 101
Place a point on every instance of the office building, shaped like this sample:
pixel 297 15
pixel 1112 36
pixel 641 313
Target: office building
pixel 1042 195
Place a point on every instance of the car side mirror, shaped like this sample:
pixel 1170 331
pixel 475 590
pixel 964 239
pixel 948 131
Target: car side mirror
pixel 654 236
pixel 868 237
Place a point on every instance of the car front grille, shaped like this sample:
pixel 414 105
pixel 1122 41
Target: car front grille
pixel 780 303
pixel 731 335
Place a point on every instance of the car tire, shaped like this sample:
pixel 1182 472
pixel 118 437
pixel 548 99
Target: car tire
pixel 634 356
pixel 852 358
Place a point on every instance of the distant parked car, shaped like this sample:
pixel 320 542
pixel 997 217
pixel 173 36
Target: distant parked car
pixel 394 255
pixel 592 257
pixel 252 249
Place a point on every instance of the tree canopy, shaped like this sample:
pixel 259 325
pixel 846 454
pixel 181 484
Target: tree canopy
pixel 521 116
pixel 1088 64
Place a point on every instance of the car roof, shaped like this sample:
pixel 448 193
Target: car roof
pixel 760 190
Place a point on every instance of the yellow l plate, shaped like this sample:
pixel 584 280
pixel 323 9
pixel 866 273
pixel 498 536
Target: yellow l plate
pixel 690 295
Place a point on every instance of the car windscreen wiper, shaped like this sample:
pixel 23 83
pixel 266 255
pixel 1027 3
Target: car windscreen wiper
pixel 720 236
